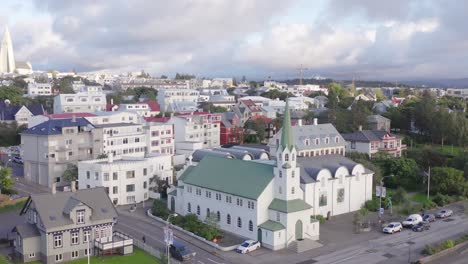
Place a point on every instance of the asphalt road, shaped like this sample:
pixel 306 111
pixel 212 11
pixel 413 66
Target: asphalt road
pixel 138 225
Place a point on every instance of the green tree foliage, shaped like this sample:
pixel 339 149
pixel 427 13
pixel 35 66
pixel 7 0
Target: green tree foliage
pixel 338 90
pixel 251 91
pixel 359 113
pixel 209 107
pixel 71 173
pixel 405 172
pixel 424 112
pixel 64 85
pixel 277 94
pixel 12 93
pixel 259 126
pixel 184 76
pixel 9 134
pixel 448 181
pixel 143 93
pixel 6 182
pixel 163 77
pixel 159 209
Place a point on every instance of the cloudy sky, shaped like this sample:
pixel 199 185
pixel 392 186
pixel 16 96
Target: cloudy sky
pixel 369 39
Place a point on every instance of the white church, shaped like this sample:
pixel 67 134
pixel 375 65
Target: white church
pixel 7 58
pixel 273 201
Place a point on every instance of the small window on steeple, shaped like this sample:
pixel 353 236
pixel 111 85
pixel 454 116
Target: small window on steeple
pixel 286 157
pixel 292 174
pixel 280 174
pixel 293 157
pixel 293 190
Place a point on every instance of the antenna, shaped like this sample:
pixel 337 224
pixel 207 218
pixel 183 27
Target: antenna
pixel 301 73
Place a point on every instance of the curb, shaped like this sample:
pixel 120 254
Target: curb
pixel 442 253
pixel 216 246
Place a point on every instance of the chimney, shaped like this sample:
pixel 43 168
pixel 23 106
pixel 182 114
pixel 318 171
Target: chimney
pixel 360 128
pixel 299 122
pixel 112 101
pixel 73 118
pixel 315 121
pixel 54 188
pixel 110 157
pixel 73 186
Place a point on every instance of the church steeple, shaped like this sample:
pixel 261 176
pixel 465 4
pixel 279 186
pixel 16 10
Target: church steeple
pixel 287 141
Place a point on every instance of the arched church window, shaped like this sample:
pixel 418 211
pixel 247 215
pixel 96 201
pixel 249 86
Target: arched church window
pixel 286 157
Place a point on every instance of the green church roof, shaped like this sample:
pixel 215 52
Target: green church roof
pixel 272 226
pixel 290 206
pixel 287 141
pixel 237 177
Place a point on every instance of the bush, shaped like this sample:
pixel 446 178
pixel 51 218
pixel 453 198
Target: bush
pixel 399 195
pixel 320 218
pixel 160 209
pixel 429 250
pixel 448 244
pixel 441 199
pixel 428 204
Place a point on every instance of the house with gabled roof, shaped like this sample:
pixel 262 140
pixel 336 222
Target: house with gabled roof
pixel 371 142
pixel 65 226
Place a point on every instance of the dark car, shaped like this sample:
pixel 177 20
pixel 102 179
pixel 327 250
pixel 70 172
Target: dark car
pixel 429 218
pixel 422 226
pixel 180 252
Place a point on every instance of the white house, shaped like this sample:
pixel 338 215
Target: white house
pixel 273 201
pixel 126 180
pixel 167 97
pixel 120 139
pixel 39 89
pixel 160 138
pixel 80 102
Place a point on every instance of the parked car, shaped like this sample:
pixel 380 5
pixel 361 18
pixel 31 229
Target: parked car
pixel 248 246
pixel 429 217
pixel 180 252
pixel 422 226
pixel 444 213
pixel 392 228
pixel 17 159
pixel 412 220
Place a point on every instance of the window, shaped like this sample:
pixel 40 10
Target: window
pixel 106 176
pixel 57 241
pixel 80 216
pixel 130 187
pixel 218 196
pixel 228 199
pixel 208 194
pixel 323 199
pixel 96 176
pixel 316 141
pixel 145 171
pixel 115 190
pixel 250 225
pixel 74 254
pixel 337 139
pixel 130 174
pixel 125 141
pixel 74 238
pixel 278 216
pixel 86 236
pixel 327 140
pixel 286 157
pixel 58 257
pixel 218 216
pixel 70 153
pixel 228 219
pixel 86 252
pixel 198 210
pixel 340 195
pixel 137 140
pixel 189 189
pixel 144 185
pixel 239 222
pixel 280 174
pixel 353 145
pixel 68 142
pixel 198 191
pixel 189 207
pixel 239 202
pixel 293 174
pixel 208 212
pixel 115 176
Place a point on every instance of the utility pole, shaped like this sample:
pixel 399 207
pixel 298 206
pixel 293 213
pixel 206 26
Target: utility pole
pixel 301 74
pixel 428 182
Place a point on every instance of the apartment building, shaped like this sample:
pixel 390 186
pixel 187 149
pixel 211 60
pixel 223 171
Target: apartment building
pixel 65 226
pixel 102 117
pixel 166 97
pixel 127 180
pixel 91 99
pixel 119 139
pixel 39 89
pixel 150 108
pixel 160 137
pixel 49 147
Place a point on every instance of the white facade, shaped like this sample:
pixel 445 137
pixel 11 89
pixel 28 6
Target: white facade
pixel 80 102
pixel 142 109
pixel 114 117
pixel 120 139
pixel 7 58
pixel 127 180
pixel 166 97
pixel 39 89
pixel 160 138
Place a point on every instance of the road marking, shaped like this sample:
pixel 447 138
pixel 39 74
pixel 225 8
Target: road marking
pixel 214 261
pixel 200 262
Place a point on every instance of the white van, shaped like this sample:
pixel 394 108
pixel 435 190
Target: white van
pixel 412 220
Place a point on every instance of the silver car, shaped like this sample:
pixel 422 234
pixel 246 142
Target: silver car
pixel 444 213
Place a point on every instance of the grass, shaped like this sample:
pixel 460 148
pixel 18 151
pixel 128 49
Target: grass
pixel 3 260
pixel 12 207
pixel 446 149
pixel 419 197
pixel 139 256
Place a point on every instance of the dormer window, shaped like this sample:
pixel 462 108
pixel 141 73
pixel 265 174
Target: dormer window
pixel 337 139
pixel 80 216
pixel 316 141
pixel 327 140
pixel 307 142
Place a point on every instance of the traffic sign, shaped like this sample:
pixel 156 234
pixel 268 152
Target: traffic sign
pixel 380 191
pixel 381 211
pixel 168 236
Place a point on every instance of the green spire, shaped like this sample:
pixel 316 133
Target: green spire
pixel 287 141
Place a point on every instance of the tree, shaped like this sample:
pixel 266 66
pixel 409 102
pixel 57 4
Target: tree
pixel 448 181
pixel 163 77
pixel 405 172
pixel 102 156
pixel 184 76
pixel 243 80
pixel 338 90
pixel 12 93
pixel 6 182
pixel 159 209
pixel 71 173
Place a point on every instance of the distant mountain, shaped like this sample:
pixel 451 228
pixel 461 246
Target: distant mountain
pixel 443 83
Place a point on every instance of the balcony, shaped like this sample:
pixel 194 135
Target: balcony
pixel 119 240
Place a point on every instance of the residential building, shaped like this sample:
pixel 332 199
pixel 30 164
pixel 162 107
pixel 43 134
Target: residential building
pixel 313 140
pixel 271 201
pixel 21 114
pixel 102 117
pixel 462 93
pixel 231 131
pixel 160 137
pixel 119 139
pixel 65 226
pixel 371 142
pixel 167 97
pixel 146 109
pixel 378 122
pixel 39 89
pixel 48 149
pixel 127 180
pixel 91 100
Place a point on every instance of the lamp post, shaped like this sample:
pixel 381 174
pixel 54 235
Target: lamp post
pixel 168 235
pixel 89 241
pixel 381 194
pixel 428 182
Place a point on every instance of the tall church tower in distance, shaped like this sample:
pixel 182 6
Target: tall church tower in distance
pixel 287 177
pixel 7 59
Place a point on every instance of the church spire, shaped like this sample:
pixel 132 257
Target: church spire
pixel 287 141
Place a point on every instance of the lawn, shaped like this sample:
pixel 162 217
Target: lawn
pixel 3 260
pixel 446 149
pixel 138 256
pixel 11 207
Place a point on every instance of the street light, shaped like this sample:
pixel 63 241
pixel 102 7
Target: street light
pixel 428 174
pixel 168 225
pixel 381 193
